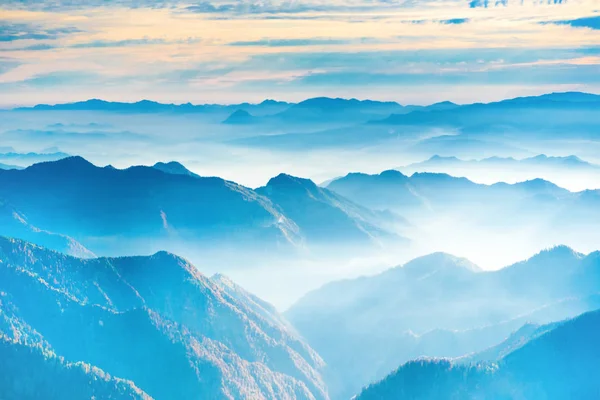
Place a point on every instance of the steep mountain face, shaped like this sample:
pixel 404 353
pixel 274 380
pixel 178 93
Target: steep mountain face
pixel 437 305
pixel 553 362
pixel 99 205
pixel 15 224
pixel 324 216
pixel 155 321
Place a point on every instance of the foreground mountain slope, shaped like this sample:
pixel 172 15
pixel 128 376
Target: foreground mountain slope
pixel 110 312
pixel 438 305
pixel 558 363
pixel 30 372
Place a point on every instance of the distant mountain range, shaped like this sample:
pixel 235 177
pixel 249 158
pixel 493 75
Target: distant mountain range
pixel 155 321
pixel 393 190
pixel 540 160
pixel 7 166
pixel 147 106
pixel 457 130
pixel 21 160
pixel 426 196
pixel 144 209
pixel 556 102
pixel 437 305
pixel 571 172
pixel 551 362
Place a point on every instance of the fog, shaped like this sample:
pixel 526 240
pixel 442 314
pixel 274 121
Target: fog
pixel 206 146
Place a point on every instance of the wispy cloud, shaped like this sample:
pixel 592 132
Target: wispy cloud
pixel 586 22
pixel 116 43
pixel 455 21
pixel 10 32
pixel 301 42
pixel 496 3
pixel 171 48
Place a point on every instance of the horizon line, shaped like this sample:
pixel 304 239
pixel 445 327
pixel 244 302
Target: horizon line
pixel 188 103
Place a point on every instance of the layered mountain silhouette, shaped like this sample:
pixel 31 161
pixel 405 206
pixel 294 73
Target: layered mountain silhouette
pixel 472 129
pixel 76 198
pixel 324 215
pixel 542 160
pixel 551 362
pixel 8 166
pixel 147 106
pixel 393 190
pixel 570 172
pixel 437 305
pixel 143 209
pixel 501 112
pixel 154 321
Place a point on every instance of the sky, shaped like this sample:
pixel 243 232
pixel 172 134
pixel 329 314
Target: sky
pixel 227 51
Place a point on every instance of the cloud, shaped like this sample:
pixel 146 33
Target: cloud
pixel 561 73
pixel 7 64
pixel 587 22
pixel 454 21
pixel 262 7
pixel 298 42
pixel 10 32
pixel 33 47
pixel 496 3
pixel 117 43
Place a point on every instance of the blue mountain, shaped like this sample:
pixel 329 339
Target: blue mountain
pixel 552 362
pixel 324 216
pixel 78 199
pixel 173 167
pixel 155 321
pixel 438 306
pixel 166 206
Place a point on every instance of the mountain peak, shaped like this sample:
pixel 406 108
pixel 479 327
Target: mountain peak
pixel 75 162
pixel 440 261
pixel 285 180
pixel 271 102
pixel 240 117
pixel 173 167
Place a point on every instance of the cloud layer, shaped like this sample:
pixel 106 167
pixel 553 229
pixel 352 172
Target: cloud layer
pixel 226 51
